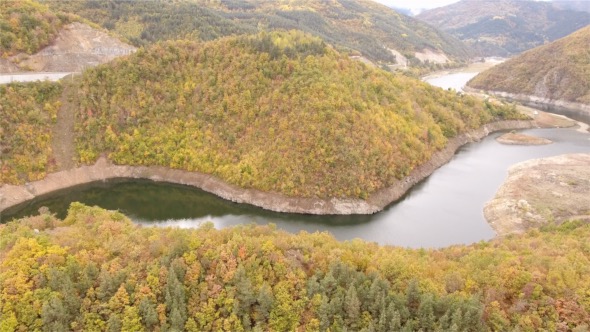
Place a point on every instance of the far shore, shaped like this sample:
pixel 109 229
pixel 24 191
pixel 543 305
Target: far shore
pixel 12 195
pixel 533 101
pixel 521 139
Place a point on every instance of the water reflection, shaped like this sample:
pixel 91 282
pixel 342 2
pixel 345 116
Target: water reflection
pixel 444 209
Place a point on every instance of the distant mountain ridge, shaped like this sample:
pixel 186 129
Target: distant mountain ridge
pixel 369 28
pixel 505 27
pixel 579 5
pixel 557 71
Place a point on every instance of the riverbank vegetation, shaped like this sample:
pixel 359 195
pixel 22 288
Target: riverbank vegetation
pixel 280 112
pixel 95 270
pixel 27 113
pixel 557 71
pixel 27 26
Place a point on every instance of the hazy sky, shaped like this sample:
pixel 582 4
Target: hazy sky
pixel 415 4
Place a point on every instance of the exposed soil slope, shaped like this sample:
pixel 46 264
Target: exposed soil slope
pixel 76 46
pixel 557 71
pixel 62 137
pixel 541 191
pixel 7 67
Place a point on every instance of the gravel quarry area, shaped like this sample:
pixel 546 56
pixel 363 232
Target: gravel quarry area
pixel 77 46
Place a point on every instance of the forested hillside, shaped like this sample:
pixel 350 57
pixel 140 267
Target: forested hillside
pixel 558 71
pixel 278 112
pixel 145 22
pixel 360 25
pixel 505 27
pixel 27 26
pixel 96 271
pixel 27 112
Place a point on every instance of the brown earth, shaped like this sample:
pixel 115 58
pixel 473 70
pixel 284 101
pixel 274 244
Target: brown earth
pixel 521 139
pixel 545 119
pixel 77 46
pixel 62 138
pixel 541 191
pixel 8 67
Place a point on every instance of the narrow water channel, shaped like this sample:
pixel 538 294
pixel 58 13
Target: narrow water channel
pixel 445 209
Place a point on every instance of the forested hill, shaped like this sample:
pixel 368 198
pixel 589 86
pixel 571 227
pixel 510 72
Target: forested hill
pixel 96 271
pixel 505 27
pixel 280 112
pixel 360 25
pixel 558 71
pixel 27 26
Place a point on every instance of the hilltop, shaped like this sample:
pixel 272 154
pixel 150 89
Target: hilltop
pixel 372 30
pixel 505 27
pixel 280 113
pixel 559 71
pixel 95 270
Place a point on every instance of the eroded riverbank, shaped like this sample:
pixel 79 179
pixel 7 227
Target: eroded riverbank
pixel 534 101
pixel 13 195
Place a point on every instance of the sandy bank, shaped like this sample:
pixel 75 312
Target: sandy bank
pixel 521 139
pixel 540 191
pixel 13 195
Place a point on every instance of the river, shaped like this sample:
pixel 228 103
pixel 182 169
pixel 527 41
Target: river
pixel 443 210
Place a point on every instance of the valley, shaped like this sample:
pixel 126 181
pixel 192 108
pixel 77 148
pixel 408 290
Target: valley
pixel 294 165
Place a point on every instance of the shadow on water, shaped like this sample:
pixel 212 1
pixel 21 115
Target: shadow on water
pixel 572 114
pixel 444 209
pixel 150 201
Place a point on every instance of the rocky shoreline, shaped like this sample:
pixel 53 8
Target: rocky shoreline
pixel 537 102
pixel 11 195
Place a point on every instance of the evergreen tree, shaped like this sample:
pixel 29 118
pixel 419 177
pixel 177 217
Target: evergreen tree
pixel 264 302
pixel 175 301
pixel 352 307
pixel 54 315
pixel 147 311
pixel 114 324
pixel 413 297
pixel 426 312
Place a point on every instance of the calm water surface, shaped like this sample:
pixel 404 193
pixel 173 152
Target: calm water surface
pixel 455 80
pixel 445 209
